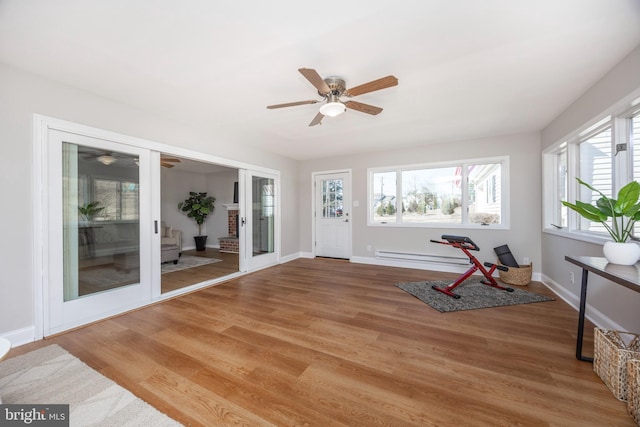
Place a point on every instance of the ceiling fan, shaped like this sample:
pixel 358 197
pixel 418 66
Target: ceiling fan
pixel 332 88
pixel 105 157
pixel 109 157
pixel 168 162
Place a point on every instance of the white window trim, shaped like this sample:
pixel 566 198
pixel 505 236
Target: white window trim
pixel 617 117
pixel 505 187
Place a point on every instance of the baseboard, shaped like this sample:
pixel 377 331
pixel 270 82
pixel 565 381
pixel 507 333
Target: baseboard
pixel 418 265
pixel 193 247
pixel 593 315
pixel 306 255
pixel 289 258
pixel 21 336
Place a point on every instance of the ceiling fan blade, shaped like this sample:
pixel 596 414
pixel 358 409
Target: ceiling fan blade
pixel 317 119
pixel 169 159
pixel 374 85
pixel 292 104
pixel 167 165
pixel 315 79
pixel 364 108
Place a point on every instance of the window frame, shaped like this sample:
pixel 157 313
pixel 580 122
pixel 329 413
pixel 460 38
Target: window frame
pixel 622 170
pixel 504 192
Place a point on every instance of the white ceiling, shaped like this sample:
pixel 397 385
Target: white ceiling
pixel 466 68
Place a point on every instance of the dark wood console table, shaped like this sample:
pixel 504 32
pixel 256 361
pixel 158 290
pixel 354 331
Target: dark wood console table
pixel 624 275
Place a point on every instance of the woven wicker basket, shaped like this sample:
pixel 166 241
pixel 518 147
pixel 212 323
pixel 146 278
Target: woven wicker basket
pixel 612 350
pixel 516 276
pixel 633 393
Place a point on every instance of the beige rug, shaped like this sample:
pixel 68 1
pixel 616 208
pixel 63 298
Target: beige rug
pixel 108 277
pixel 187 261
pixel 51 375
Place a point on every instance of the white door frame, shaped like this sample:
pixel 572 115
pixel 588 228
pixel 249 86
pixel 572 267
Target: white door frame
pixel 315 175
pixel 60 315
pixel 41 126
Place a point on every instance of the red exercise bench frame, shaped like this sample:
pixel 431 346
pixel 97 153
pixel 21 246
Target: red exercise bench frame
pixel 466 244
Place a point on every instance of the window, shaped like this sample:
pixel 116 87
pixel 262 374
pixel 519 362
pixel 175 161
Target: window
pixel 562 185
pixel 120 199
pixel 383 204
pixel 606 155
pixel 634 137
pixel 596 168
pixel 268 199
pixel 332 198
pixel 633 126
pixel 459 194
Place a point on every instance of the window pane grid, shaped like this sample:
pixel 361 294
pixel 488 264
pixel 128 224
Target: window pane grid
pixel 332 198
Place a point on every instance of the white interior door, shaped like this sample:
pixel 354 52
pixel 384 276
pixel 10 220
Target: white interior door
pixel 99 230
pixel 260 219
pixel 332 215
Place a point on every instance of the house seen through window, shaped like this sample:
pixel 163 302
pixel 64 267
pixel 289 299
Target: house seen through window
pixel 462 193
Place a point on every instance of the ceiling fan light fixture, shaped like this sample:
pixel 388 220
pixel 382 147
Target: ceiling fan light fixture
pixel 333 109
pixel 106 159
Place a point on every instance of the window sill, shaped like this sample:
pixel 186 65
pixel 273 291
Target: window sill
pixel 580 236
pixel 441 226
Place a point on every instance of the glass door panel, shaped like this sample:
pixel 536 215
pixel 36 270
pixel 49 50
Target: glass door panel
pixel 101 229
pixel 263 210
pixel 99 226
pixel 261 223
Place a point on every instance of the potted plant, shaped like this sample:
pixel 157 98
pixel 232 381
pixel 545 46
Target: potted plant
pixel 198 206
pixel 623 211
pixel 90 210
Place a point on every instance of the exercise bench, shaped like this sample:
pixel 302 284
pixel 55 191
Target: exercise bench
pixel 466 244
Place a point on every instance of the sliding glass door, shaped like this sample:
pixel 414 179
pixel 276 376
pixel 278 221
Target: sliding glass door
pixel 99 229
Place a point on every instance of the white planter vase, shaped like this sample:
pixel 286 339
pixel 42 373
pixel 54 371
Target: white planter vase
pixel 621 253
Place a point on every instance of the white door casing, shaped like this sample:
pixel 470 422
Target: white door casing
pixel 41 175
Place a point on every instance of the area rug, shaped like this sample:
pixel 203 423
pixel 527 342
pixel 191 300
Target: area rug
pixel 473 295
pixel 51 375
pixel 187 261
pixel 108 276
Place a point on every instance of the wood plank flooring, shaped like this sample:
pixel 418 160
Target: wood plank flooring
pixel 320 342
pixel 183 278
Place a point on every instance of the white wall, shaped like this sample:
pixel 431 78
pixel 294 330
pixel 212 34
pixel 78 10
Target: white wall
pixel 176 186
pixel 523 236
pixel 22 95
pixel 609 305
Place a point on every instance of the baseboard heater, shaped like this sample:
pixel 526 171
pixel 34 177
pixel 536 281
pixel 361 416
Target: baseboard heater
pixel 415 257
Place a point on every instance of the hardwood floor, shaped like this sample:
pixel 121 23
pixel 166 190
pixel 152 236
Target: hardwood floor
pixel 323 342
pixel 182 278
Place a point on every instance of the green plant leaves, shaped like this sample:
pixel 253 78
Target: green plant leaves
pixel 90 210
pixel 628 198
pixel 198 206
pixel 625 206
pixel 588 211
